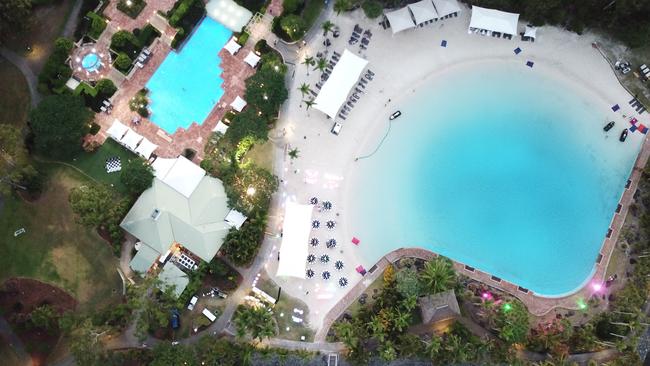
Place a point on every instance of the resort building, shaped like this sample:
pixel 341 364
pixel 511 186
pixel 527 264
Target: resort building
pixel 182 219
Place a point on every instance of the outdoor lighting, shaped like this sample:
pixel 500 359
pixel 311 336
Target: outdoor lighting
pixel 486 295
pixel 581 304
pixel 507 307
pixel 597 286
pixel 266 97
pixel 129 2
pixel 277 68
pixel 250 191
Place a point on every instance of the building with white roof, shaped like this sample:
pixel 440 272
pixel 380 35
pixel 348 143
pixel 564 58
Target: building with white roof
pixel 493 21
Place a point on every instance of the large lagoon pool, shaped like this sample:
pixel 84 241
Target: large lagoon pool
pixel 499 167
pixel 187 85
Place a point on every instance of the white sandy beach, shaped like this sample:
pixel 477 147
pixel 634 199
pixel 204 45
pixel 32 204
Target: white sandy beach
pixel 401 64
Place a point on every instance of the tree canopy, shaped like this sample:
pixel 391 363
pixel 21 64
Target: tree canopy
pixel 95 206
pixel 247 124
pixel 265 92
pixel 256 321
pixel 136 175
pixel 249 188
pixel 59 123
pixel 15 168
pixel 14 15
pixel 438 275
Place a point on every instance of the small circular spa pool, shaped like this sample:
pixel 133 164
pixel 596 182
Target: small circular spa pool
pixel 91 62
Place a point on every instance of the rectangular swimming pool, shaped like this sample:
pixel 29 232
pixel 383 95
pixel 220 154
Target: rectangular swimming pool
pixel 187 85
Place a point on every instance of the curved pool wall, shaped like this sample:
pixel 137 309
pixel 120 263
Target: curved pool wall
pixel 499 167
pixel 90 62
pixel 187 85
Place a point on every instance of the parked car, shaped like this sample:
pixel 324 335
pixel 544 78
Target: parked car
pixel 176 319
pixel 193 301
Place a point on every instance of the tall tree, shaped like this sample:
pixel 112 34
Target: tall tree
pixel 266 91
pixel 342 5
pixel 15 169
pixel 59 123
pixel 91 203
pixel 256 321
pixel 327 27
pixel 321 64
pixel 14 15
pixel 136 175
pixel 247 124
pixel 438 275
pixel 304 89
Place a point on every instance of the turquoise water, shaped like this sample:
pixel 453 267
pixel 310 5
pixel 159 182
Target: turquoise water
pixel 187 85
pixel 90 62
pixel 499 168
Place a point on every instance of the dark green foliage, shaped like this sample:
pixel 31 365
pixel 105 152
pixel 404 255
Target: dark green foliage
pixel 627 20
pixel 125 42
pixel 372 8
pixel 59 124
pixel 132 10
pixel 257 322
pixel 437 276
pixel 292 6
pixel 513 325
pixel 122 62
pixel 241 246
pixel 245 124
pixel 56 72
pixel 97 24
pixel 184 16
pixel 196 280
pixel 253 5
pixel 139 103
pixel 238 182
pixel 95 205
pixel 94 128
pixel 136 175
pixel 293 26
pixel 84 23
pixel 105 88
pixel 146 35
pixel 14 16
pixel 266 91
pixel 262 47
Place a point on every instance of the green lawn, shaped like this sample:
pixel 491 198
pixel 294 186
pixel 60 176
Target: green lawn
pixel 94 164
pixel 14 104
pixel 54 248
pixel 261 155
pixel 283 310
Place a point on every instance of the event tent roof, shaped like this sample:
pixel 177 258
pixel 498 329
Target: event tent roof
pixel 232 46
pixel 131 139
pixel 235 218
pixel 238 104
pixel 171 275
pixel 494 20
pixel 220 127
pixel 338 85
pixel 252 59
pixel 446 7
pixel 295 238
pixel 146 148
pixel 400 19
pixel 117 130
pixel 228 13
pixel 423 11
pixel 530 32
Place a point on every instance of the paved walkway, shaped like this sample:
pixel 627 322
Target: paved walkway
pixel 73 20
pixel 22 64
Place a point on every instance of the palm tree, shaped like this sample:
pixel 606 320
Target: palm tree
pixel 308 104
pixel 321 64
pixel 401 320
pixel 304 89
pixel 345 332
pixel 433 347
pixel 438 275
pixel 327 27
pixel 341 5
pixel 377 329
pixel 294 153
pixel 308 61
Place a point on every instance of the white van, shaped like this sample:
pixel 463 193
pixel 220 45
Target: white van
pixel 193 301
pixel 336 128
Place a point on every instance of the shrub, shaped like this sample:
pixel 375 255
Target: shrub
pixel 253 5
pixel 136 176
pixel 97 25
pixel 262 47
pixel 94 128
pixel 132 8
pixel 293 26
pixel 146 35
pixel 56 72
pixel 184 15
pixel 372 8
pixel 105 88
pixel 125 42
pixel 292 6
pixel 139 103
pixel 122 62
pixel 242 38
pixel 247 124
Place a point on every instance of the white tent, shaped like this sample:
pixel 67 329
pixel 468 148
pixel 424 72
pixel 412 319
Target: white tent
pixel 494 20
pixel 235 218
pixel 338 85
pixel 252 59
pixel 423 11
pixel 238 104
pixel 146 148
pixel 220 127
pixel 228 13
pixel 530 32
pixel 295 238
pixel 400 19
pixel 131 139
pixel 446 7
pixel 117 130
pixel 232 46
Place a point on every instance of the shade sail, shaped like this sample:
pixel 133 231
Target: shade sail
pixel 494 20
pixel 400 19
pixel 338 85
pixel 252 59
pixel 220 127
pixel 232 46
pixel 117 130
pixel 238 104
pixel 131 139
pixel 530 32
pixel 146 148
pixel 295 237
pixel 446 7
pixel 228 13
pixel 423 11
pixel 235 218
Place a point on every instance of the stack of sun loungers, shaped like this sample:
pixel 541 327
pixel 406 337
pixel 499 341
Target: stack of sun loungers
pixel 356 34
pixel 365 41
pixel 329 68
pixel 143 58
pixel 106 107
pixel 356 94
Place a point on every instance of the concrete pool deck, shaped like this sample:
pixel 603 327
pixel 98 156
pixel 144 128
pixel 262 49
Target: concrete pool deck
pixel 400 63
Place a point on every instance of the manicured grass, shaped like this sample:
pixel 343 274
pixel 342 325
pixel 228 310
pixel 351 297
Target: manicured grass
pixel 283 310
pixel 55 249
pixel 261 155
pixel 94 163
pixel 14 104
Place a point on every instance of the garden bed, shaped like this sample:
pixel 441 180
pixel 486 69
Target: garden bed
pixel 132 8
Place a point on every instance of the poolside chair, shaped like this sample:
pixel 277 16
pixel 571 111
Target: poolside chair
pixel 146 51
pixel 139 64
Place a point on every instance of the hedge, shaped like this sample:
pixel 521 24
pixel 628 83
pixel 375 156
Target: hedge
pixel 56 72
pixel 132 10
pixel 97 25
pixel 184 16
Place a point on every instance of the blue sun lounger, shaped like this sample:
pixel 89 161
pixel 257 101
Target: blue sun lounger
pixel 517 51
pixel 615 107
pixel 530 64
pixel 443 43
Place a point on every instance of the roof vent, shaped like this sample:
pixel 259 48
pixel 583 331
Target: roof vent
pixel 155 214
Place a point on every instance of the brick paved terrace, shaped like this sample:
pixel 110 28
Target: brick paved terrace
pixel 123 21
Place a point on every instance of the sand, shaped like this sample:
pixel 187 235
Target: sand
pixel 402 62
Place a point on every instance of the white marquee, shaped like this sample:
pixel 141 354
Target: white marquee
pixel 295 239
pixel 494 20
pixel 336 89
pixel 400 19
